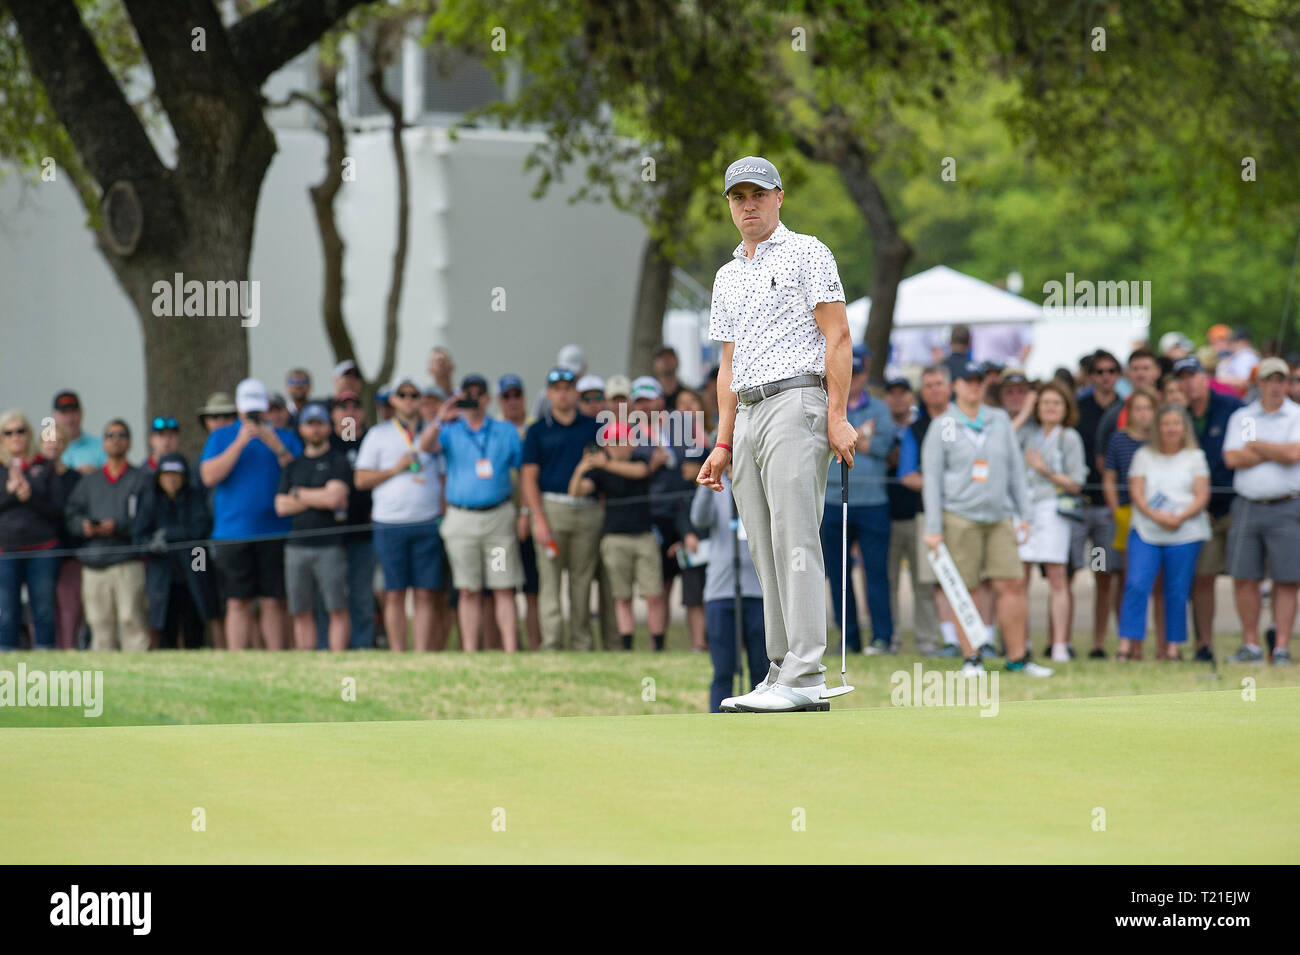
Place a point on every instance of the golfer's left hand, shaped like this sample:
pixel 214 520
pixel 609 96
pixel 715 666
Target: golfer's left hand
pixel 711 473
pixel 843 437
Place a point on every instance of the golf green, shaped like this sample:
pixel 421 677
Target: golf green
pixel 1176 778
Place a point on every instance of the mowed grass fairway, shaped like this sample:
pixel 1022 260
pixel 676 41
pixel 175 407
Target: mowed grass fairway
pixel 1183 777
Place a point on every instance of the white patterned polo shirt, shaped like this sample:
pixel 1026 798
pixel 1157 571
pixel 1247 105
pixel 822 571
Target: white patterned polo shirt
pixel 765 305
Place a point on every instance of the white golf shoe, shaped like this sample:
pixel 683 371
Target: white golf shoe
pixel 729 705
pixel 780 698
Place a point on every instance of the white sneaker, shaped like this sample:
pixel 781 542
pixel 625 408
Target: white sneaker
pixel 729 704
pixel 1035 669
pixel 780 698
pixel 971 668
pixel 1060 653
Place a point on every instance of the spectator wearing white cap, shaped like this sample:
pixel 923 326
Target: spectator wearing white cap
pixel 396 462
pixel 1262 446
pixel 313 493
pixel 591 395
pixel 242 462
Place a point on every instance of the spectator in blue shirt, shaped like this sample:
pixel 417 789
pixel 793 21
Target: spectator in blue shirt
pixel 242 462
pixel 478 531
pixel 868 512
pixel 85 452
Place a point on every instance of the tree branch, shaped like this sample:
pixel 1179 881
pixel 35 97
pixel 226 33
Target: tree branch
pixel 274 35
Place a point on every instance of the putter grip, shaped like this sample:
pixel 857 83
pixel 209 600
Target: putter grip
pixel 844 480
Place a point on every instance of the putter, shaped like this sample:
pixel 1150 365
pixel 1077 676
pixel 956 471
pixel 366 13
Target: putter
pixel 831 692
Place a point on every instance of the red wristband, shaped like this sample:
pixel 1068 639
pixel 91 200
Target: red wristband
pixel 727 446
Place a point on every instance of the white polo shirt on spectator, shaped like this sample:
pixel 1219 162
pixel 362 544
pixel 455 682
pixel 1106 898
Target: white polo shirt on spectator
pixel 765 305
pixel 1268 479
pixel 402 499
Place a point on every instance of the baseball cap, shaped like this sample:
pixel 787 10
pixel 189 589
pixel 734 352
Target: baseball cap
pixel 433 391
pixel 353 396
pixel 753 169
pixel 382 394
pixel 559 374
pixel 509 381
pixel 591 383
pixel 396 383
pixel 645 387
pixel 1190 364
pixel 314 412
pixel 618 386
pixel 572 358
pixel 859 364
pixel 67 401
pixel 164 423
pixel 1241 334
pixel 1171 340
pixel 898 382
pixel 173 463
pixel 992 364
pixel 250 395
pixel 345 366
pixel 474 380
pixel 862 350
pixel 972 369
pixel 277 400
pixel 1271 366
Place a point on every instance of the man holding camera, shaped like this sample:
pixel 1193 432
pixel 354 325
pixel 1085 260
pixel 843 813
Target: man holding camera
pixel 479 529
pixel 241 462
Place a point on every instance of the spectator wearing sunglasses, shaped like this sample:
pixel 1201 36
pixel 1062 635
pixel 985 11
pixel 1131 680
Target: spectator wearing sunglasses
pixel 101 514
pixel 30 512
pixel 1097 528
pixel 396 463
pixel 85 453
pixel 566 530
pixel 510 401
pixel 164 439
pixel 297 391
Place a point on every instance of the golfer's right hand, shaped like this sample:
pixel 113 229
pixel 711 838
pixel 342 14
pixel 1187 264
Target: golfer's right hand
pixel 711 473
pixel 932 541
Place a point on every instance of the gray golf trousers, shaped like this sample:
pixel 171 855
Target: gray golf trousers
pixel 779 466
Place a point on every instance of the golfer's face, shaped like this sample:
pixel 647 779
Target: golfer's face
pixel 755 210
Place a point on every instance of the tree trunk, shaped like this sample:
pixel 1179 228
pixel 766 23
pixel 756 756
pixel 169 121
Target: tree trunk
pixel 648 311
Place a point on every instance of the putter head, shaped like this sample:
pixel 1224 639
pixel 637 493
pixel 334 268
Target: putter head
pixel 831 692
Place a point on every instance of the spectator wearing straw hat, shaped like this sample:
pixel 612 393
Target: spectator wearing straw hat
pixel 217 412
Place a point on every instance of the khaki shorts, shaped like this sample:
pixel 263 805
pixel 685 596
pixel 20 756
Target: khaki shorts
pixel 483 548
pixel 632 560
pixel 1214 552
pixel 982 551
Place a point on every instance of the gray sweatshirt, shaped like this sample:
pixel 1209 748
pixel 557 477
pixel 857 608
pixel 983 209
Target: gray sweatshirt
pixel 948 457
pixel 96 497
pixel 1063 453
pixel 711 511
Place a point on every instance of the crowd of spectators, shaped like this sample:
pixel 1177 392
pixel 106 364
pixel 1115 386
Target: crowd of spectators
pixel 304 525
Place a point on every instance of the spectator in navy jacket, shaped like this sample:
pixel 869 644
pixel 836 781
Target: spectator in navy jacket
pixel 30 512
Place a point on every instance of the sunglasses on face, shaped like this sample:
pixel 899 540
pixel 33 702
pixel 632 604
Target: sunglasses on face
pixel 348 405
pixel 512 394
pixel 412 395
pixel 594 396
pixel 297 382
pixel 115 435
pixel 14 432
pixel 166 424
pixel 1105 371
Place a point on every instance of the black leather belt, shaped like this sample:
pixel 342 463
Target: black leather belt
pixel 752 396
pixel 1274 500
pixel 485 507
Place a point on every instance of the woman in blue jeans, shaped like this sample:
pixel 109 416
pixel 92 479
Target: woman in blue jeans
pixel 31 511
pixel 1169 485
